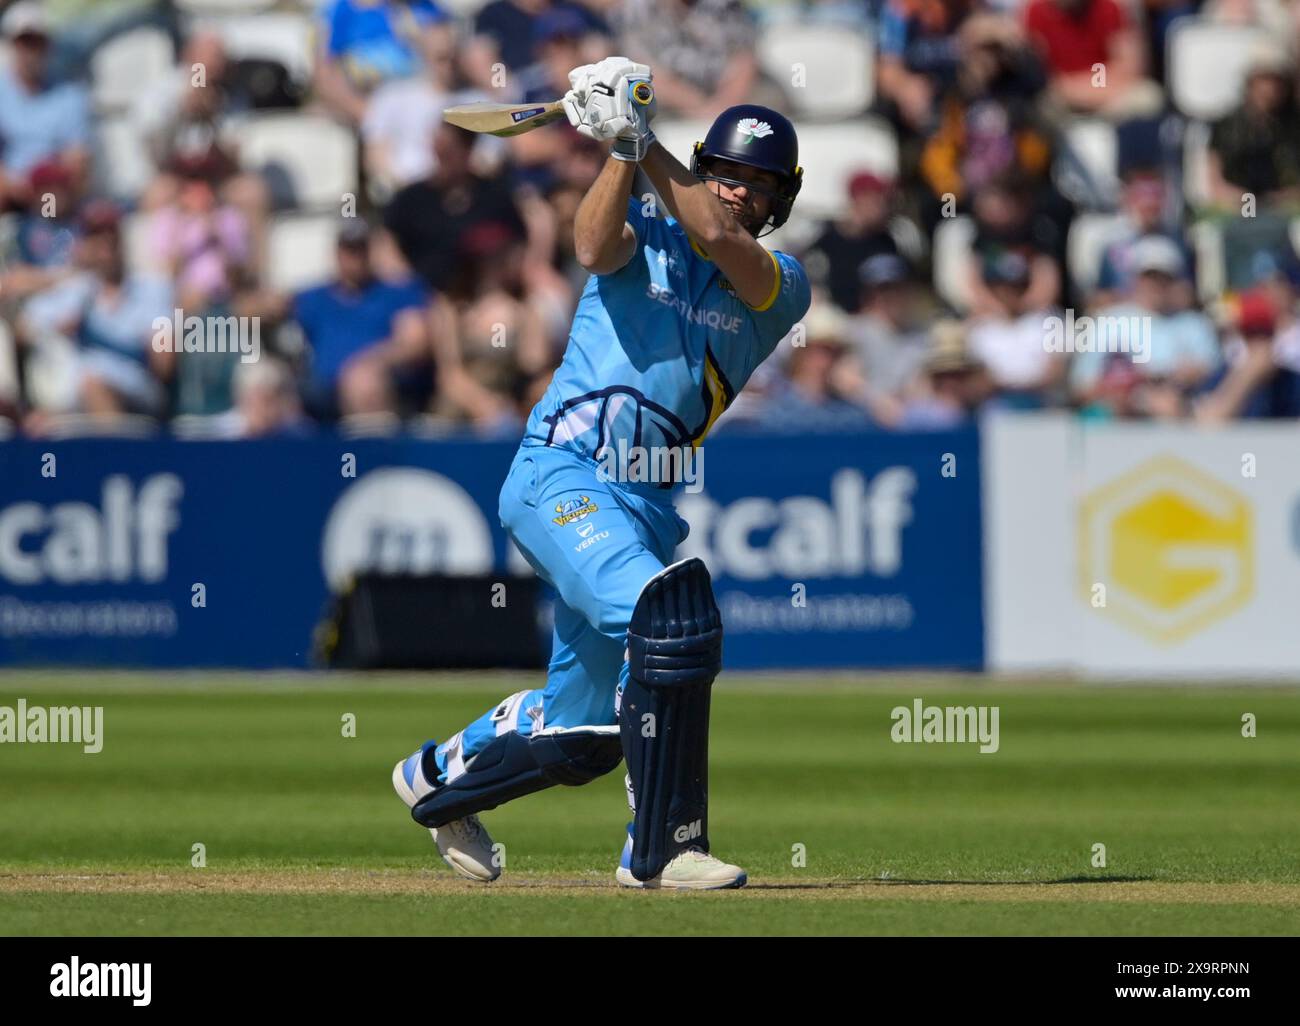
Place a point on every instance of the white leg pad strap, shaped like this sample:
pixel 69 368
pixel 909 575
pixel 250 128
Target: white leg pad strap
pixel 506 716
pixel 455 756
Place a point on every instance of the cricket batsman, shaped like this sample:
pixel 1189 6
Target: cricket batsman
pixel 677 314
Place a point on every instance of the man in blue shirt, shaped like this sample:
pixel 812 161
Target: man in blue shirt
pixel 40 123
pixel 368 42
pixel 677 314
pixel 366 338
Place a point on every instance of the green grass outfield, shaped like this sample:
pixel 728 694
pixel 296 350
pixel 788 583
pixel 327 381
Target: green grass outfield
pixel 303 834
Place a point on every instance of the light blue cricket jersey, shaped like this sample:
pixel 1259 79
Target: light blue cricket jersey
pixel 660 347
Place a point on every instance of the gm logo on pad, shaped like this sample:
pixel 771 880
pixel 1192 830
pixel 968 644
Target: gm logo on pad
pixel 1173 546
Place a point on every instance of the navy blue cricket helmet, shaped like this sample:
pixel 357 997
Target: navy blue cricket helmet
pixel 759 137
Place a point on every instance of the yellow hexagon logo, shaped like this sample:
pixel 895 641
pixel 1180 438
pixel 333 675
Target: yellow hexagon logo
pixel 1173 547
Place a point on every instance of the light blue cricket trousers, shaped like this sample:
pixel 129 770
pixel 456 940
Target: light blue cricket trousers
pixel 596 543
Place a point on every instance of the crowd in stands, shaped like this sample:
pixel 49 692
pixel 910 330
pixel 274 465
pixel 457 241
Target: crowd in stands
pixel 452 278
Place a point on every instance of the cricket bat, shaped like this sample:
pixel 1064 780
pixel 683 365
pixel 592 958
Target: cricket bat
pixel 506 119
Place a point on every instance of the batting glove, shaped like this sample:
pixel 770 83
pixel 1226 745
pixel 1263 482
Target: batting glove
pixel 620 113
pixel 634 142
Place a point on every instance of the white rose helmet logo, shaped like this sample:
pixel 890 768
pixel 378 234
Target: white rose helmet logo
pixel 754 128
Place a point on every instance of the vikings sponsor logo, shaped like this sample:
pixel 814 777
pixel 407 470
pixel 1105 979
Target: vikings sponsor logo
pixel 570 510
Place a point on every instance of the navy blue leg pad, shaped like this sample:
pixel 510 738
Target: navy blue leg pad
pixel 674 647
pixel 513 765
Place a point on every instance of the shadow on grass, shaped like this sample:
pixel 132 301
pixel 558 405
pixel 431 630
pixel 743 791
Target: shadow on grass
pixel 893 881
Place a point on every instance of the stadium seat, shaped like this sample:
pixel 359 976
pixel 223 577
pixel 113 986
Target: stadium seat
pixel 300 251
pixel 1196 163
pixel 1095 144
pixel 1211 270
pixel 838 84
pixel 1206 65
pixel 830 155
pixel 952 248
pixel 318 155
pixel 130 65
pixel 282 36
pixel 123 165
pixel 1089 236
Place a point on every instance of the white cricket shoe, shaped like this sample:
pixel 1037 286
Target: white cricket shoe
pixel 692 870
pixel 464 844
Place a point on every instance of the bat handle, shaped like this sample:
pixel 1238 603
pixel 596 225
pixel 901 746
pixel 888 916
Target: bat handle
pixel 642 92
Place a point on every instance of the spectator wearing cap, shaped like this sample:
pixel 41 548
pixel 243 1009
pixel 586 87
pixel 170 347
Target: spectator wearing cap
pixel 805 398
pixel 1182 346
pixel 1010 345
pixel 43 246
pixel 191 126
pixel 1095 58
pixel 887 348
pixel 367 339
pixel 559 35
pixel 1008 219
pixel 954 383
pixel 105 315
pixel 511 33
pixel 1255 381
pixel 865 230
pixel 429 217
pixel 1143 202
pixel 40 122
pixel 365 43
pixel 1256 149
pixel 1278 277
pixel 204 245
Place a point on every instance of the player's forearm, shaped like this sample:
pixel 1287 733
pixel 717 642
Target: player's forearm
pixel 688 199
pixel 598 225
pixel 751 270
